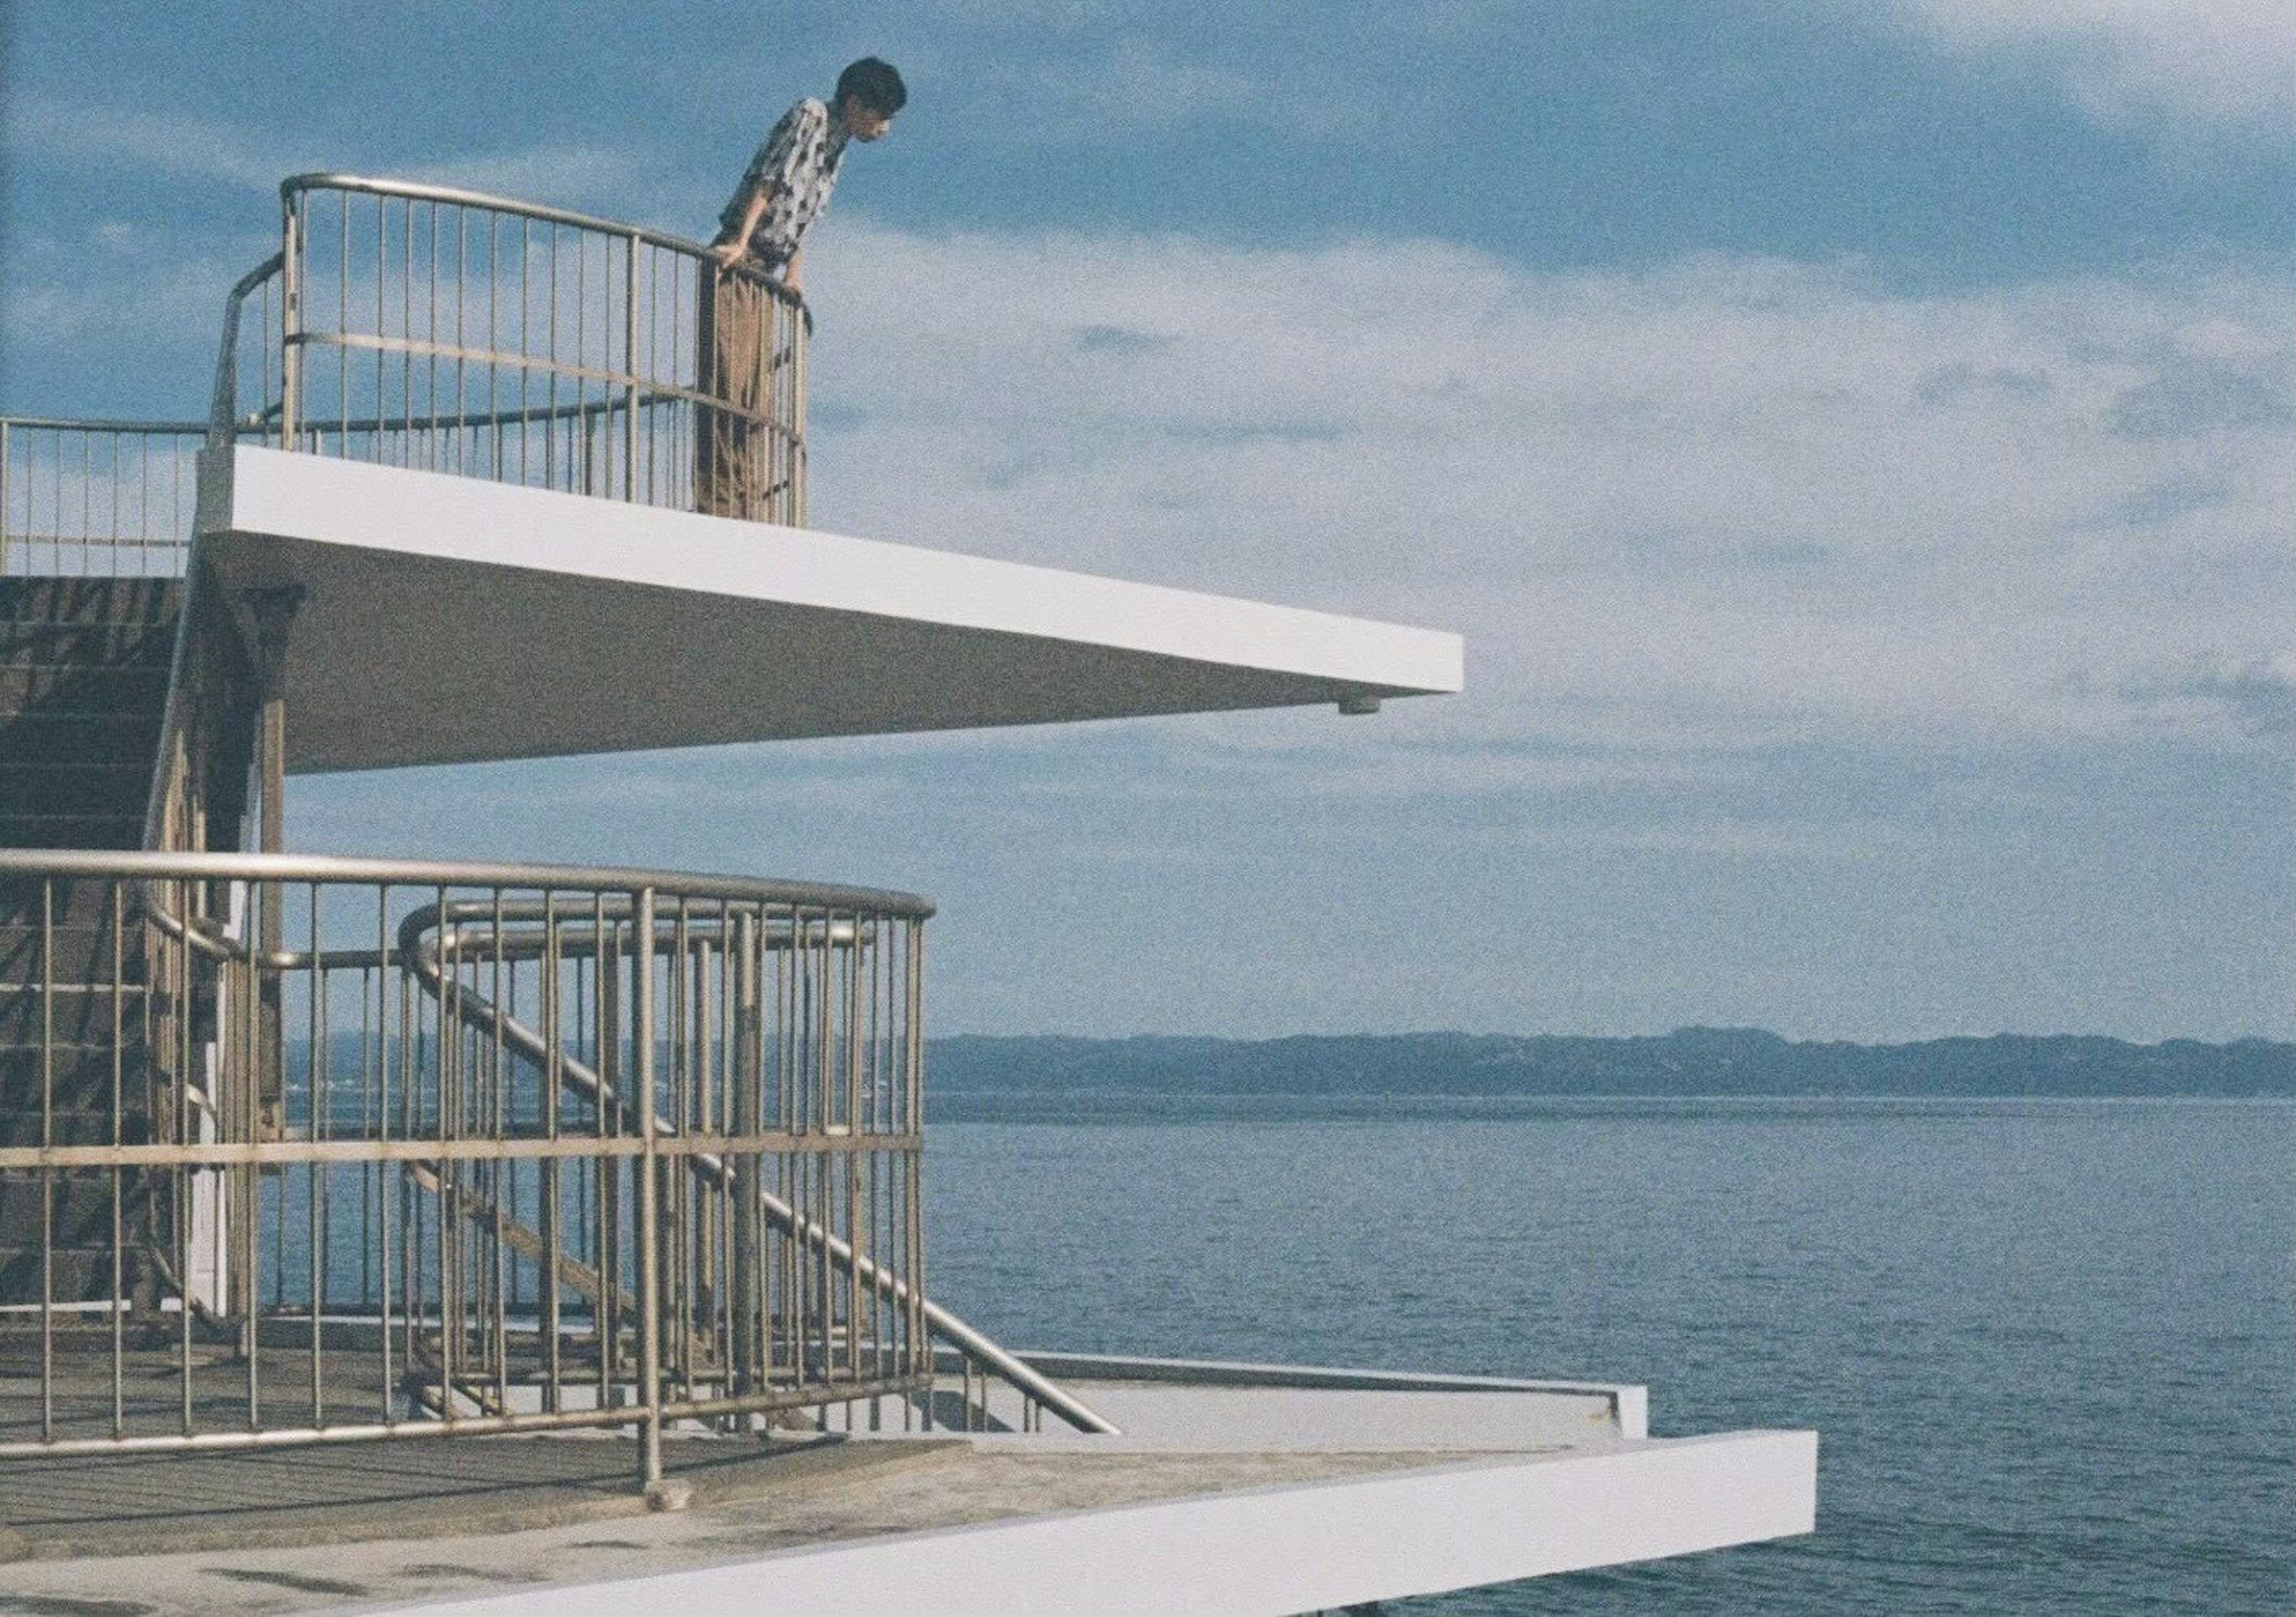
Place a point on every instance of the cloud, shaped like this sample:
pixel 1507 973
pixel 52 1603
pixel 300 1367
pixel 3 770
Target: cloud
pixel 120 286
pixel 1726 501
pixel 2194 396
pixel 1838 657
pixel 2259 696
pixel 626 179
pixel 1116 91
pixel 154 141
pixel 2227 62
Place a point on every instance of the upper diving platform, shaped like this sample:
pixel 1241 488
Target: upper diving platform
pixel 445 620
pixel 537 483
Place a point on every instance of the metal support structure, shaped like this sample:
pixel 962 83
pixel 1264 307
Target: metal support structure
pixel 639 1213
pixel 630 367
pixel 649 1211
pixel 267 616
pixel 290 319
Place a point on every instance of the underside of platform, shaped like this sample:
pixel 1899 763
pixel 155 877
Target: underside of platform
pixel 445 620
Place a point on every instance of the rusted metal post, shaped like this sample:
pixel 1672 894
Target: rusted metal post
pixel 270 614
pixel 650 1478
pixel 630 372
pixel 290 318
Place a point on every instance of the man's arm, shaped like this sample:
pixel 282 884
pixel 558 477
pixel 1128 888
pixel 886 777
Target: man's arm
pixel 730 251
pixel 790 277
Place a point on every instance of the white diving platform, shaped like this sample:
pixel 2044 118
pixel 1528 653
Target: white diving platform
pixel 1233 1491
pixel 446 619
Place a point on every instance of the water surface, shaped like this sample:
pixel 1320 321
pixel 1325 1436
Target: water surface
pixel 2047 1345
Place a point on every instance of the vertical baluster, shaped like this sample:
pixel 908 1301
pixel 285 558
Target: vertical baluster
pixel 117 921
pixel 47 1173
pixel 630 368
pixel 554 1060
pixel 317 1070
pixel 649 1263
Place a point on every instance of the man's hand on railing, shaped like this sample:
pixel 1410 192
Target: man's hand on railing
pixel 727 254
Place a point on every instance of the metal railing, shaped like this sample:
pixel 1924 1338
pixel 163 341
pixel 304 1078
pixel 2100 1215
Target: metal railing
pixel 429 327
pixel 299 1149
pixel 391 1171
pixel 97 498
pixel 423 326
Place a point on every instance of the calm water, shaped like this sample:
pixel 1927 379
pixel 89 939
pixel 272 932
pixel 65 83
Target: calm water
pixel 2048 1346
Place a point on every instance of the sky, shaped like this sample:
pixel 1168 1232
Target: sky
pixel 1855 440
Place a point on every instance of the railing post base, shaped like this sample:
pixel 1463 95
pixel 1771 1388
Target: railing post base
pixel 667 1494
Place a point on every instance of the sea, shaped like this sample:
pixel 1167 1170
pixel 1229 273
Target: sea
pixel 2049 1346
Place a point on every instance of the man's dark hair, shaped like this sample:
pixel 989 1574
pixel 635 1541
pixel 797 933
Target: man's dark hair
pixel 875 85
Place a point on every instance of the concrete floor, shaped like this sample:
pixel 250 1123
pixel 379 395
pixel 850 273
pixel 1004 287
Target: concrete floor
pixel 355 1525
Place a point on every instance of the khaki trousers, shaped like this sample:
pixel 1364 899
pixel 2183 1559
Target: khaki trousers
pixel 735 473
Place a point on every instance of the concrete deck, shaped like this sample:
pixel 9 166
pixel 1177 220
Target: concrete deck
pixel 1220 1499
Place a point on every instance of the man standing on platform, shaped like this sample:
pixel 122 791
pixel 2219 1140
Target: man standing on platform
pixel 760 240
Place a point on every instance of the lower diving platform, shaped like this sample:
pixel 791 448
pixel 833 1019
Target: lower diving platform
pixel 1233 1490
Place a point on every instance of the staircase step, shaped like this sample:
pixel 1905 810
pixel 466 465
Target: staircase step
pixel 86 645
pixel 56 687
pixel 81 1070
pixel 80 1211
pixel 75 1276
pixel 100 788
pixel 115 832
pixel 82 1012
pixel 37 738
pixel 70 954
pixel 60 600
pixel 85 1106
pixel 83 1125
pixel 27 901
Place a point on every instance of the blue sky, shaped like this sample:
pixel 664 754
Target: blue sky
pixel 1855 440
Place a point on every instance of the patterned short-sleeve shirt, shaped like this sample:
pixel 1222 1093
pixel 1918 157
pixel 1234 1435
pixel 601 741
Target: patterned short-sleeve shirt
pixel 798 160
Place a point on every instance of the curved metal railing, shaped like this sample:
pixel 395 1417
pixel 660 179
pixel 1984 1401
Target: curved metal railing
pixel 366 1137
pixel 450 331
pixel 425 326
pixel 980 1358
pixel 97 498
pixel 326 1140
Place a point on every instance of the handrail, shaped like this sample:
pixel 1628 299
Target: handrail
pixel 813 1096
pixel 223 408
pixel 427 936
pixel 641 358
pixel 424 190
pixel 475 1010
pixel 440 328
pixel 105 424
pixel 96 497
pixel 222 430
pixel 324 868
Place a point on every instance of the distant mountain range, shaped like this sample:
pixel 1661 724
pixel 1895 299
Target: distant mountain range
pixel 1690 1061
